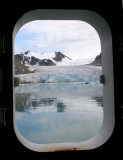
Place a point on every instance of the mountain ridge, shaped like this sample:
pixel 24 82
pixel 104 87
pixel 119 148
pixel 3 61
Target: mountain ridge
pixel 97 61
pixel 27 58
pixel 24 62
pixel 21 69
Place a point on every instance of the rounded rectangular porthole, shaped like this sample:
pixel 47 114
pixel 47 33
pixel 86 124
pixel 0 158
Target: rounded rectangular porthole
pixel 63 80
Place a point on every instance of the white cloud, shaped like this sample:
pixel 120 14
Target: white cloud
pixel 77 39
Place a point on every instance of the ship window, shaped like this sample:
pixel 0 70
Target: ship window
pixel 63 80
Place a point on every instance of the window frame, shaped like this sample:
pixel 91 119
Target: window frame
pixel 104 32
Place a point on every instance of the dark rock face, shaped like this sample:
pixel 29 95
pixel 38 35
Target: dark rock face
pixel 20 68
pixel 33 61
pixel 59 56
pixel 46 62
pixel 22 58
pixel 97 61
pixel 16 81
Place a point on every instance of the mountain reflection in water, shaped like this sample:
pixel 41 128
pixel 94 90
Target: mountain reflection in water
pixel 24 103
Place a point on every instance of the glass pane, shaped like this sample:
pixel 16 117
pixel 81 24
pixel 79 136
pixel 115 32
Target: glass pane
pixel 58 94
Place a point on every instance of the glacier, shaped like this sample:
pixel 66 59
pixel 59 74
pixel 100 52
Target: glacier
pixel 58 74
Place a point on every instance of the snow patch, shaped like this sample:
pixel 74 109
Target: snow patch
pixel 31 69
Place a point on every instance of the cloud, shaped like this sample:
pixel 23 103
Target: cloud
pixel 71 37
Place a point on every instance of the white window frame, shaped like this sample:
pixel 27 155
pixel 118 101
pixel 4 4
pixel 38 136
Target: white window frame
pixel 103 29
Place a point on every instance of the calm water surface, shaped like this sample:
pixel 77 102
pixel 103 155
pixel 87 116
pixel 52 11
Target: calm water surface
pixel 58 112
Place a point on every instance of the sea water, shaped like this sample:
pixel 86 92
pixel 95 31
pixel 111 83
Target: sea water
pixel 62 104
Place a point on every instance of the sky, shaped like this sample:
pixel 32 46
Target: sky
pixel 74 38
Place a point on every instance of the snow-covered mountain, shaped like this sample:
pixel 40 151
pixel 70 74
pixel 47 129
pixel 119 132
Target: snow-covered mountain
pixel 42 59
